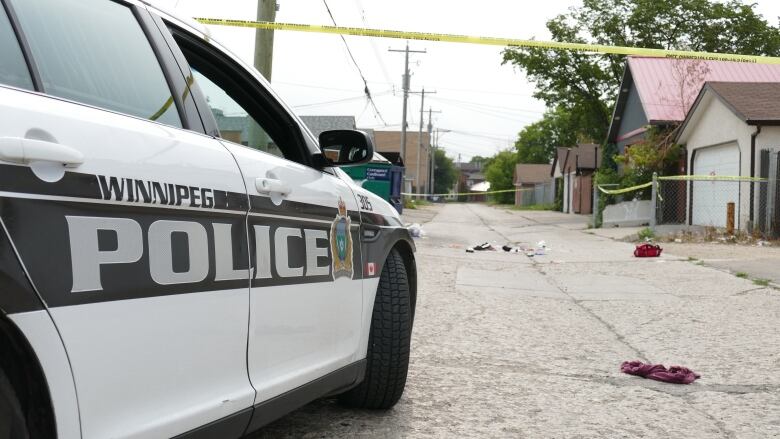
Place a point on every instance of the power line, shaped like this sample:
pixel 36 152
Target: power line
pixel 481 136
pixel 349 51
pixel 373 43
pixel 512 118
pixel 488 106
pixel 467 90
pixel 319 87
pixel 337 101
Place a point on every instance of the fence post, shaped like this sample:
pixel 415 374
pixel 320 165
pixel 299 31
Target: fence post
pixel 654 201
pixel 595 203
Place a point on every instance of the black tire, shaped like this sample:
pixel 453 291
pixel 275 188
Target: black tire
pixel 12 422
pixel 388 341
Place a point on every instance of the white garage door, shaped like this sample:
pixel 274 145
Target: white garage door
pixel 711 197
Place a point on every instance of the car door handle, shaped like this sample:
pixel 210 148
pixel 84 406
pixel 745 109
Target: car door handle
pixel 271 186
pixel 25 151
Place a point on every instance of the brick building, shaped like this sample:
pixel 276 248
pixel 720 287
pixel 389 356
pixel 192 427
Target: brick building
pixel 390 141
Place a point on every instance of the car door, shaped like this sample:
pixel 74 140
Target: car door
pixel 137 244
pixel 306 297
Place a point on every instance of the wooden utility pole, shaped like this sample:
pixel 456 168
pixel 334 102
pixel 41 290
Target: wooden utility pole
pixel 418 181
pixel 405 85
pixel 264 56
pixel 264 39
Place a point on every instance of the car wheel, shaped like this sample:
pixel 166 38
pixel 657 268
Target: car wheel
pixel 12 422
pixel 388 341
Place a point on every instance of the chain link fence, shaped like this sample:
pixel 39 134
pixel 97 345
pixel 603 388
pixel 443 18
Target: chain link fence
pixel 731 204
pixel 737 205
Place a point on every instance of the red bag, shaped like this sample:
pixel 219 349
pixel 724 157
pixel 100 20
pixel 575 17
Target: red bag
pixel 647 251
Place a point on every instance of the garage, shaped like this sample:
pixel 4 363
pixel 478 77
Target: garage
pixel 709 198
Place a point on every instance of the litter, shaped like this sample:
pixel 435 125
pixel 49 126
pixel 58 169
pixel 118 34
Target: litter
pixel 764 243
pixel 416 230
pixel 485 246
pixel 540 250
pixel 678 240
pixel 647 250
pixel 658 372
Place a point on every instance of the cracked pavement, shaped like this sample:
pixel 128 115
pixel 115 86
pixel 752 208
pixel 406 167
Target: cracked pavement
pixel 510 346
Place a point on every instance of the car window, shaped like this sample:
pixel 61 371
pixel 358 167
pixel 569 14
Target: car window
pixel 234 122
pixel 95 52
pixel 13 68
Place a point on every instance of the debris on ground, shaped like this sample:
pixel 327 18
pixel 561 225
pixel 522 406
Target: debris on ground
pixel 658 372
pixel 539 250
pixel 764 243
pixel 415 230
pixel 647 250
pixel 485 246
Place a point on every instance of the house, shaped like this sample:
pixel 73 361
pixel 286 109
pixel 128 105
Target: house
pixel 573 170
pixel 319 124
pixel 658 92
pixel 470 176
pixel 733 129
pixel 534 184
pixel 390 142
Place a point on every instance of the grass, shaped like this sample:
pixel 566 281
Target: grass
pixel 741 275
pixel 411 203
pixel 692 259
pixel 534 207
pixel 646 233
pixel 761 282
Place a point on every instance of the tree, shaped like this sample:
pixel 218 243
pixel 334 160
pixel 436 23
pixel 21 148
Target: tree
pixel 445 174
pixel 536 143
pixel 584 85
pixel 501 173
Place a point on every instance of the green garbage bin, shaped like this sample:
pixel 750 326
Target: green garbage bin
pixel 381 177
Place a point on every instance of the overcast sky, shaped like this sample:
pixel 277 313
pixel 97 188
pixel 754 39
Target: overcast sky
pixel 483 103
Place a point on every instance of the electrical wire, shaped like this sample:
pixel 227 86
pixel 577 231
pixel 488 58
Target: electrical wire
pixel 337 101
pixel 354 61
pixel 488 106
pixel 319 87
pixel 493 114
pixel 372 41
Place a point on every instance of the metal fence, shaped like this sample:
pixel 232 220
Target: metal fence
pixel 737 205
pixel 733 204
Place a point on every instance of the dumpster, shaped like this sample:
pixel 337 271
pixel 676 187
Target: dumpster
pixel 382 177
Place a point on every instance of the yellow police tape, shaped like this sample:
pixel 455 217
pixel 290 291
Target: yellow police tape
pixel 453 38
pixel 625 190
pixel 731 178
pixel 503 191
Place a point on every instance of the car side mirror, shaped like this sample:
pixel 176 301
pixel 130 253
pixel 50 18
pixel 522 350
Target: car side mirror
pixel 346 148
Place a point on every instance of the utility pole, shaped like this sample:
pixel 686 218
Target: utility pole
pixel 418 180
pixel 264 39
pixel 264 55
pixel 432 152
pixel 405 84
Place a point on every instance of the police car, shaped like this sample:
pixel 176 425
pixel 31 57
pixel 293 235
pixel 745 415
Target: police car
pixel 178 255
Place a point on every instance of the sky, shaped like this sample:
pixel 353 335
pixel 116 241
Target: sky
pixel 479 104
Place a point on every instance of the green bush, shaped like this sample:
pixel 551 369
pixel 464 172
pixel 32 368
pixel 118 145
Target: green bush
pixel 645 234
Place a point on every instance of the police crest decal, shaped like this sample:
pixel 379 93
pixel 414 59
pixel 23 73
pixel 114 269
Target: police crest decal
pixel 341 243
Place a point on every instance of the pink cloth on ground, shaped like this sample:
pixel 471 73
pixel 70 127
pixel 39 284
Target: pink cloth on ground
pixel 658 372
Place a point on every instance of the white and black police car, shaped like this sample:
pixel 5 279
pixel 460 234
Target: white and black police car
pixel 178 254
